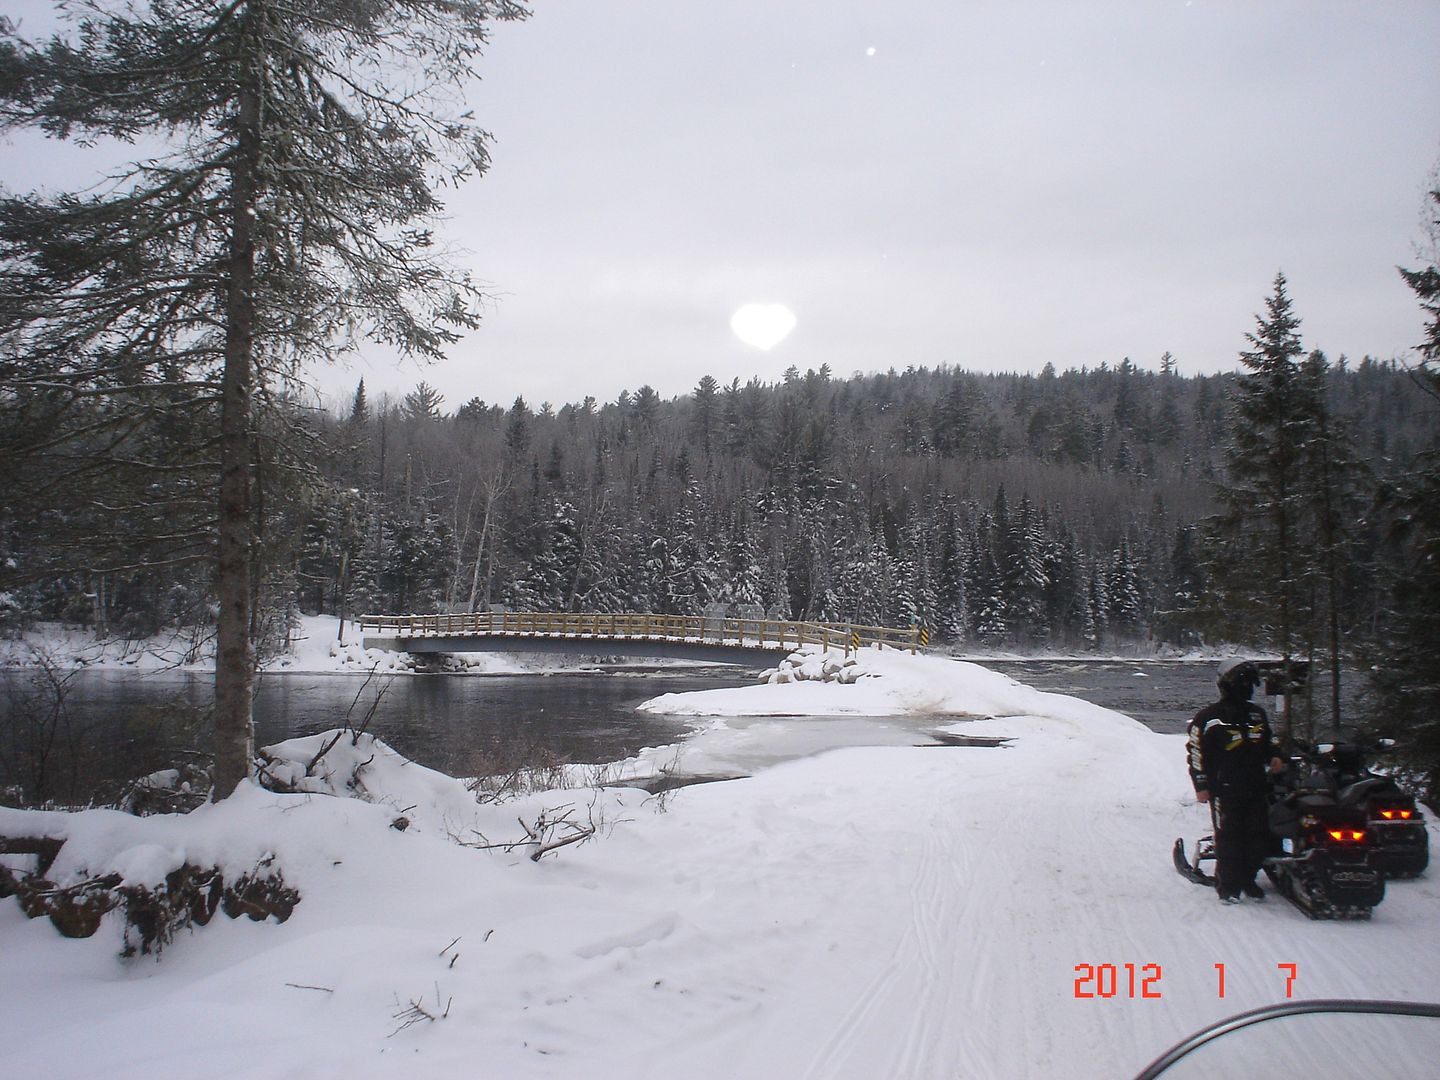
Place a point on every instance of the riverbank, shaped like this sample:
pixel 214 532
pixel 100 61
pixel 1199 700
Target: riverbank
pixel 868 912
pixel 317 648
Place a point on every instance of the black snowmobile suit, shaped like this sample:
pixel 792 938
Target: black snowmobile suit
pixel 1230 748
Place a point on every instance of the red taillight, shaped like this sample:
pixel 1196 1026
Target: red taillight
pixel 1393 815
pixel 1347 836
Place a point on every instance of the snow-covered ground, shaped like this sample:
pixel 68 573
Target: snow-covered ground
pixel 317 647
pixel 881 912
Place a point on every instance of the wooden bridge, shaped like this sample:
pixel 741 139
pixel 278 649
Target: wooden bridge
pixel 715 639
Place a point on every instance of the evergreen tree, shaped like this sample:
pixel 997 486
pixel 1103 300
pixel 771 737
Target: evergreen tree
pixel 1406 674
pixel 359 406
pixel 1257 561
pixel 741 583
pixel 517 428
pixel 694 582
pixel 953 618
pixel 1061 617
pixel 1020 558
pixel 552 552
pixel 291 206
pixel 422 403
pixel 1167 426
pixel 1184 591
pixel 992 616
pixel 1332 481
pixel 1098 594
pixel 1122 589
pixel 707 409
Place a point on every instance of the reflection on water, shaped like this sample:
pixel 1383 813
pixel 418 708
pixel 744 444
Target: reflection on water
pixel 440 719
pixel 122 724
pixel 1162 694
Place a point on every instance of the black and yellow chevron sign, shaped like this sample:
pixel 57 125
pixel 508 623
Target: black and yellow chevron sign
pixel 924 636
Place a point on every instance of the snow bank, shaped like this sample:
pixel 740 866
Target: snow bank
pixel 359 773
pixel 880 682
pixel 316 649
pixel 870 912
pixel 69 646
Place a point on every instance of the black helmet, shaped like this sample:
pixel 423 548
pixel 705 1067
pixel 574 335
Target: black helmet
pixel 1239 675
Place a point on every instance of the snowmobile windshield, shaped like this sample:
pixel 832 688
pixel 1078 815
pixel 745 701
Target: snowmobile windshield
pixel 1320 1040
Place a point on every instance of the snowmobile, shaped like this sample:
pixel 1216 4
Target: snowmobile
pixel 1328 864
pixel 1325 860
pixel 1394 819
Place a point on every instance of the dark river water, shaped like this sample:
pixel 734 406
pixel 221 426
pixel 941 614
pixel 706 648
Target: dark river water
pixel 123 724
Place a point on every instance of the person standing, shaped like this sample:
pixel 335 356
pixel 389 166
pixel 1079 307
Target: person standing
pixel 1230 747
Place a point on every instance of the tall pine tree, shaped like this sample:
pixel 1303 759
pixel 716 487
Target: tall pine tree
pixel 291 207
pixel 1257 560
pixel 1406 674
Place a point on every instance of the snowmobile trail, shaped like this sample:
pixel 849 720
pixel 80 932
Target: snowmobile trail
pixel 912 994
pixel 957 954
pixel 866 913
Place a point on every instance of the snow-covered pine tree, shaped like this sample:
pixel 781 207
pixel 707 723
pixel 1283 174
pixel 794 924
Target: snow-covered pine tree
pixel 694 571
pixel 741 582
pixel 952 620
pixel 1023 574
pixel 992 624
pixel 1061 568
pixel 1099 605
pixel 1122 588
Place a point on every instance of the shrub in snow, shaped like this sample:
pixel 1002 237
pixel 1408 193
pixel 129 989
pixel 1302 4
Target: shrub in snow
pixel 337 762
pixel 156 889
pixel 168 791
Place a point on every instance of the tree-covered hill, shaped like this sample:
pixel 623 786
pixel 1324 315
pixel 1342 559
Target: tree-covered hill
pixel 1057 508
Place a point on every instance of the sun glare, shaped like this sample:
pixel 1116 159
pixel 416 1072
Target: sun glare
pixel 762 326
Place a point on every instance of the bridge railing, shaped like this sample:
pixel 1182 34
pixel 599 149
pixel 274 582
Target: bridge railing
pixel 762 633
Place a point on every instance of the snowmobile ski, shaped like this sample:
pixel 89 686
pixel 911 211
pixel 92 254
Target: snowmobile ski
pixel 1204 851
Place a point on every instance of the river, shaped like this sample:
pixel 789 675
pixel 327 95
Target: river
pixel 118 724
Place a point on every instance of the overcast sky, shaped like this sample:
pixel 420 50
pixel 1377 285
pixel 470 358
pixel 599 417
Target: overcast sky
pixel 989 185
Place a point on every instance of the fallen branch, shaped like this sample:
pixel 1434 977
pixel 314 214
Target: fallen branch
pixel 353 730
pixel 44 848
pixel 552 834
pixel 415 1012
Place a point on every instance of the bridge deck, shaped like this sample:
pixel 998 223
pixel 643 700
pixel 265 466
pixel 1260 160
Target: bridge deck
pixel 732 640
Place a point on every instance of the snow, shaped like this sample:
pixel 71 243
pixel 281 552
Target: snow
pixel 892 911
pixel 316 648
pixel 884 682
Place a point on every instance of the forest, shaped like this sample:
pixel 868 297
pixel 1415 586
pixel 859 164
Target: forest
pixel 1072 509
